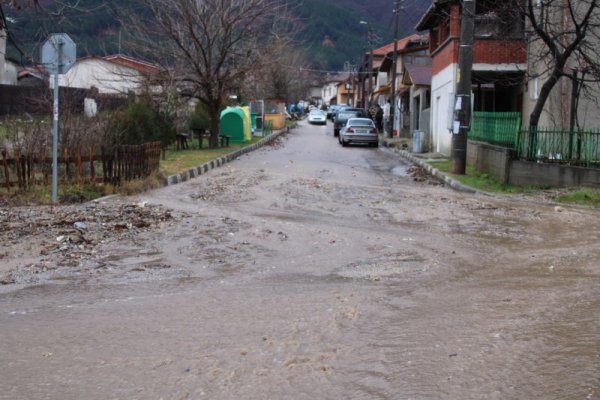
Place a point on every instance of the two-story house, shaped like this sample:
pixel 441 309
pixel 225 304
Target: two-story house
pixel 411 93
pixel 499 62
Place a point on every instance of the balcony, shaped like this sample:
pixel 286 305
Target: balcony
pixel 492 25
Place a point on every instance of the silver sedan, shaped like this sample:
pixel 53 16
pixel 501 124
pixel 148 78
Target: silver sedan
pixel 359 131
pixel 317 117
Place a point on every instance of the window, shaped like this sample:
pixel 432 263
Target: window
pixel 427 99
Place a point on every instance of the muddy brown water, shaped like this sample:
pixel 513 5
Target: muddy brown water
pixel 306 270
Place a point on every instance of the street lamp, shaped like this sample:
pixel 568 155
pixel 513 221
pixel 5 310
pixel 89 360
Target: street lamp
pixel 369 72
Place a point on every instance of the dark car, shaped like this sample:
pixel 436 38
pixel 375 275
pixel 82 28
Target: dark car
pixel 343 115
pixel 332 110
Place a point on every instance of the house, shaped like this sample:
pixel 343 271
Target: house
pixel 412 50
pixel 373 83
pixel 8 68
pixel 347 91
pixel 33 76
pixel 116 74
pixel 499 62
pixel 415 96
pixel 560 111
pixel 329 92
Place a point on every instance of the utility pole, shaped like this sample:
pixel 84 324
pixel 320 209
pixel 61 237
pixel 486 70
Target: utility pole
pixel 394 68
pixel 371 37
pixel 462 104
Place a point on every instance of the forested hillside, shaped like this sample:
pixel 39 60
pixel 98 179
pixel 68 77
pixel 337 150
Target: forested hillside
pixel 330 31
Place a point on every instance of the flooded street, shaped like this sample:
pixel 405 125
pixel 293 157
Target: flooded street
pixel 305 270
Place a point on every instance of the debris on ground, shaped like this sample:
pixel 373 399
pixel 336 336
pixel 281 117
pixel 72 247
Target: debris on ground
pixel 42 237
pixel 421 175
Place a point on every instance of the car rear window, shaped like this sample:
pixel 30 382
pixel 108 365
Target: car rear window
pixel 347 115
pixel 359 122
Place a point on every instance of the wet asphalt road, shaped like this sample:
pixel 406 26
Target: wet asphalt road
pixel 306 270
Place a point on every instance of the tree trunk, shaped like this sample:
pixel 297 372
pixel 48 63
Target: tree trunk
pixel 534 117
pixel 213 111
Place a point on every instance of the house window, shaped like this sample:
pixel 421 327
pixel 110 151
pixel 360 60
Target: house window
pixel 427 99
pixel 498 20
pixel 422 61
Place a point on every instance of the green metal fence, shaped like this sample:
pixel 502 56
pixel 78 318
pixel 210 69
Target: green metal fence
pixel 578 147
pixel 499 128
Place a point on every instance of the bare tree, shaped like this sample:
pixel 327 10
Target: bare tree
pixel 286 75
pixel 564 42
pixel 211 46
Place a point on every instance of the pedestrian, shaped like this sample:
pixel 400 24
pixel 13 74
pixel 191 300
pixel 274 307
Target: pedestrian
pixel 379 117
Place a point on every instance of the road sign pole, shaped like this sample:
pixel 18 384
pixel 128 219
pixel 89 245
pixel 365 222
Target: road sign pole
pixel 58 56
pixel 55 142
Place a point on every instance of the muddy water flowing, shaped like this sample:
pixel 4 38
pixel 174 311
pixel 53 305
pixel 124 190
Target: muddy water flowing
pixel 310 271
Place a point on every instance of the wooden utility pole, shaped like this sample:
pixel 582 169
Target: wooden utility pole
pixel 394 68
pixel 462 105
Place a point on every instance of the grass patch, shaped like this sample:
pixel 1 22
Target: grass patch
pixel 181 160
pixel 484 182
pixel 584 197
pixel 141 185
pixel 479 180
pixel 67 194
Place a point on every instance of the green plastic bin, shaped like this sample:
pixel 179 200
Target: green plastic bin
pixel 232 124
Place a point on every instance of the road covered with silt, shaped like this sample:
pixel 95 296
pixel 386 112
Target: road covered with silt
pixel 303 270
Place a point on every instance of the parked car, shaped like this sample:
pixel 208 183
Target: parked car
pixel 332 110
pixel 317 117
pixel 344 114
pixel 359 131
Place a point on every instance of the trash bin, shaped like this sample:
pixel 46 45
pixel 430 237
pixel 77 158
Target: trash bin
pixel 233 124
pixel 417 141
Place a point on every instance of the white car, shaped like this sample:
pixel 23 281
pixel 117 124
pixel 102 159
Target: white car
pixel 359 131
pixel 317 117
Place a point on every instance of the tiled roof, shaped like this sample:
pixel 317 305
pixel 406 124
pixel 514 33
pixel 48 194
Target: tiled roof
pixel 419 75
pixel 402 44
pixel 139 65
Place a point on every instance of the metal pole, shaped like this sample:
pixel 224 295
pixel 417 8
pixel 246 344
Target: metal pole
pixel 394 67
pixel 55 141
pixel 462 105
pixel 55 127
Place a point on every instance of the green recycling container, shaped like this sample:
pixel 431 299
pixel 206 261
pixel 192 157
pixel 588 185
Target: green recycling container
pixel 232 124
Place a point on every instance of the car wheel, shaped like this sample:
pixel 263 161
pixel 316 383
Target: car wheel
pixel 344 143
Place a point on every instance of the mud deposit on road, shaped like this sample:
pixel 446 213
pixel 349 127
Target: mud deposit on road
pixel 302 271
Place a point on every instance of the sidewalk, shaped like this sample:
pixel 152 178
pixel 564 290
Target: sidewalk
pixel 216 163
pixel 403 147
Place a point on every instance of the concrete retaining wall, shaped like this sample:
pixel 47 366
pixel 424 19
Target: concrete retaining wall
pixel 498 162
pixel 523 173
pixel 494 160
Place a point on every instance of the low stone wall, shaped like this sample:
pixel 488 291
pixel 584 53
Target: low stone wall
pixel 498 162
pixel 494 160
pixel 524 173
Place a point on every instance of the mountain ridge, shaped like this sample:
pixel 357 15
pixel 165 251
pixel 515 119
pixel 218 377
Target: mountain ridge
pixel 330 32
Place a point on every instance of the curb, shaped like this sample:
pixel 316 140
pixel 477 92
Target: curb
pixel 448 180
pixel 210 165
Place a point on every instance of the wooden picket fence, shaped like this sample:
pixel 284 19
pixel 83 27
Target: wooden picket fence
pixel 121 163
